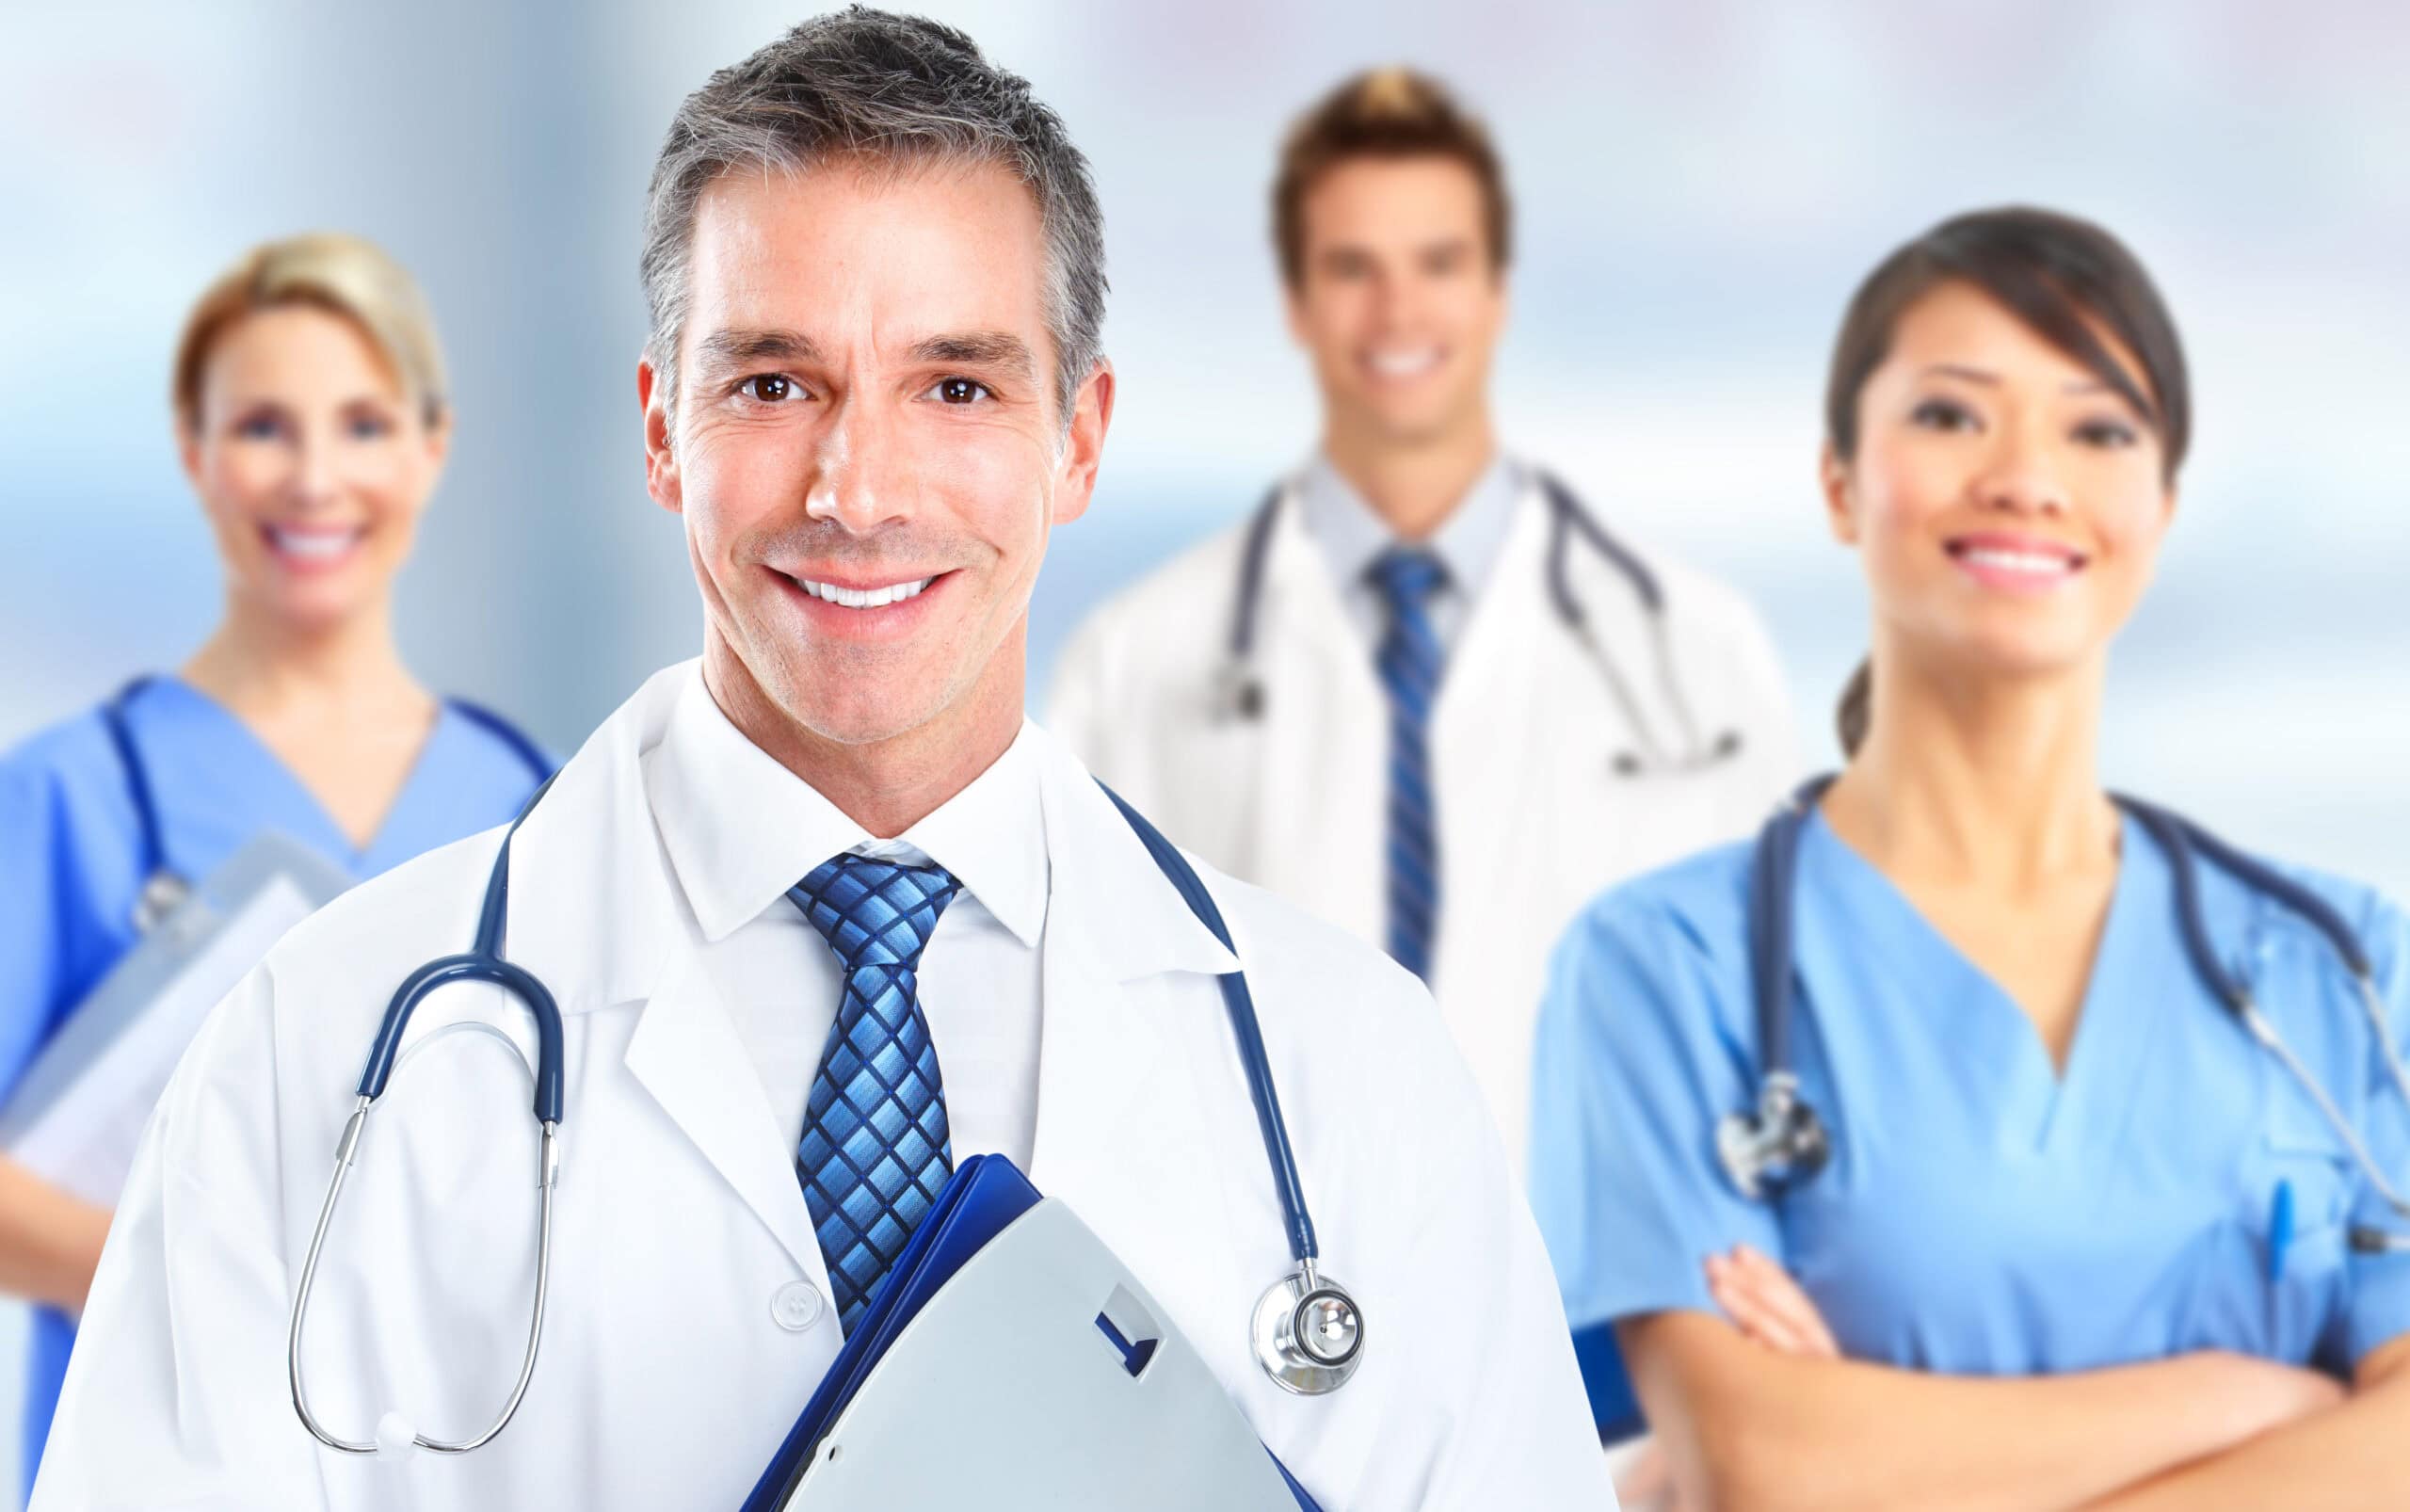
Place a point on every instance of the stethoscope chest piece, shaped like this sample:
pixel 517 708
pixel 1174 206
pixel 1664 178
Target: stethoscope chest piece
pixel 1778 1144
pixel 1309 1334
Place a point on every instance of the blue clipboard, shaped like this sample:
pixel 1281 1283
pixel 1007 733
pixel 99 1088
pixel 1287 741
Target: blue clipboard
pixel 983 1198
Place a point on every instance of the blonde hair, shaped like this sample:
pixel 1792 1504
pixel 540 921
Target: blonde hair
pixel 343 275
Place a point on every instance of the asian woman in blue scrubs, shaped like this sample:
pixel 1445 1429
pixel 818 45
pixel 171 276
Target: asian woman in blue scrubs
pixel 311 420
pixel 2080 1240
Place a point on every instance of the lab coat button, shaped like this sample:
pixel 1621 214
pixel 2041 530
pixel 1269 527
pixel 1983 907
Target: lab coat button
pixel 797 1305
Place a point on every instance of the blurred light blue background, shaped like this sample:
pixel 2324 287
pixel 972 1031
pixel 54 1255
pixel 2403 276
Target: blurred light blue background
pixel 1699 186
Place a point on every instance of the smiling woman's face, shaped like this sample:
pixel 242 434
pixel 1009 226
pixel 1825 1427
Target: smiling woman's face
pixel 2007 504
pixel 312 464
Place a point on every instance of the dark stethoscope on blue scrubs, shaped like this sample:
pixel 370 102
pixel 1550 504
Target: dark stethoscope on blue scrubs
pixel 163 887
pixel 1242 694
pixel 1774 1147
pixel 1306 1331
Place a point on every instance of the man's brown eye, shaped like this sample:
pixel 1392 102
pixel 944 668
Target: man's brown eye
pixel 957 391
pixel 769 387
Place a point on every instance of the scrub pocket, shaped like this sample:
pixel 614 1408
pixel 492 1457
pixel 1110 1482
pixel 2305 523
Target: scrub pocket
pixel 2300 1275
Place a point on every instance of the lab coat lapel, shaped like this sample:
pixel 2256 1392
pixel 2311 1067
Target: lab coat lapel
pixel 686 1054
pixel 1486 734
pixel 1318 819
pixel 597 915
pixel 1117 1111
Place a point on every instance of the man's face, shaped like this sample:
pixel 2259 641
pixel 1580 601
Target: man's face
pixel 867 449
pixel 1399 298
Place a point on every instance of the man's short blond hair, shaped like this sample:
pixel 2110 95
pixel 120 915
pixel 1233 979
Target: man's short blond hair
pixel 1383 113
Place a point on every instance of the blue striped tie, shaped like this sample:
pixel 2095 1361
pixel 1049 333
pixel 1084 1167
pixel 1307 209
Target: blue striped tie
pixel 1409 661
pixel 876 1148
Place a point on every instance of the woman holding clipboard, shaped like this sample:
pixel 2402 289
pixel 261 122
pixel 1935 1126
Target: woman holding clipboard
pixel 311 420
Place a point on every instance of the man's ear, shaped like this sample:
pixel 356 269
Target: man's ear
pixel 1840 507
pixel 1084 444
pixel 661 477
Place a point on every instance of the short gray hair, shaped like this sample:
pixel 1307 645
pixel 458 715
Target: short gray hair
pixel 868 85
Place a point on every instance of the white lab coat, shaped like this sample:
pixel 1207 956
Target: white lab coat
pixel 679 1345
pixel 1533 823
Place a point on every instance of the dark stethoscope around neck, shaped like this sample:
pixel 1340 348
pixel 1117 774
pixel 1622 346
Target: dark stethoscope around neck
pixel 162 887
pixel 1241 692
pixel 1780 1144
pixel 1307 1329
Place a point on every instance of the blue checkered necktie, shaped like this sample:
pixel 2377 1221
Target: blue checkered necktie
pixel 876 1149
pixel 1409 659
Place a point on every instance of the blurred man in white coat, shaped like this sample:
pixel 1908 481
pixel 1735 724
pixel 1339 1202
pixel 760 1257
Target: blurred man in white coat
pixel 1423 691
pixel 874 385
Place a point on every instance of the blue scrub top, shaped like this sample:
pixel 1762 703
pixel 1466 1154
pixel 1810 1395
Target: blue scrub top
pixel 1982 1213
pixel 70 863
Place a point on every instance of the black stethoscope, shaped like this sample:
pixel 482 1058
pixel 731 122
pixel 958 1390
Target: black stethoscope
pixel 1307 1330
pixel 163 887
pixel 1242 694
pixel 1771 1150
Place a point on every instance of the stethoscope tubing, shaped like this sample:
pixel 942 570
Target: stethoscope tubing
pixel 1238 1003
pixel 1772 901
pixel 1242 690
pixel 482 962
pixel 1289 1355
pixel 162 887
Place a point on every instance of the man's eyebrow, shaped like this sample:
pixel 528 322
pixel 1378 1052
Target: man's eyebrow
pixel 742 348
pixel 979 349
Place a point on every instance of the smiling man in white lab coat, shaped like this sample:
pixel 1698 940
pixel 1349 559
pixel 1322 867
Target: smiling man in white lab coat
pixel 1423 692
pixel 873 387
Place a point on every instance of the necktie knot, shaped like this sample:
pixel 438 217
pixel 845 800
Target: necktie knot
pixel 1407 577
pixel 875 913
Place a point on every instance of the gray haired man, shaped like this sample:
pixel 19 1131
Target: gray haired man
pixel 823 915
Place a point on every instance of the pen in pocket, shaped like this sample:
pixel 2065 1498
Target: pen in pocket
pixel 2280 1231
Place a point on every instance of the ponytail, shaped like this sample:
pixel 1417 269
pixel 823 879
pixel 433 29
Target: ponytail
pixel 1857 710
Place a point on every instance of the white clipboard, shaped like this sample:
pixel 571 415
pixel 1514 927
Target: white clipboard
pixel 78 1116
pixel 1002 1395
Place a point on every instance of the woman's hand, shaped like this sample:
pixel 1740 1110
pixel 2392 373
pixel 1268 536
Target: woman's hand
pixel 1765 1304
pixel 50 1239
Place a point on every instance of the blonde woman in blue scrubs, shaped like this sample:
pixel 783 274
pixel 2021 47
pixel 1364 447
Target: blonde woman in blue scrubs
pixel 312 421
pixel 2081 1240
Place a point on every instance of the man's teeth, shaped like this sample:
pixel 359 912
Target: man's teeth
pixel 315 545
pixel 864 598
pixel 2039 564
pixel 1399 364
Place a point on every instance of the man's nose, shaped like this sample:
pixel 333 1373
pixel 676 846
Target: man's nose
pixel 862 475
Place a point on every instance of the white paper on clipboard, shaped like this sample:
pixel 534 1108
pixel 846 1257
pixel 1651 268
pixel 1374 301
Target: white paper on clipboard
pixel 76 1118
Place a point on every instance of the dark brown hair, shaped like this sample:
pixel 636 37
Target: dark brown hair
pixel 2068 279
pixel 1391 113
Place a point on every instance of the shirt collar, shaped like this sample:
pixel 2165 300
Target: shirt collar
pixel 741 828
pixel 1353 535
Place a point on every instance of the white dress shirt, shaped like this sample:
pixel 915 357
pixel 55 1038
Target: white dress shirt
pixel 1353 536
pixel 741 830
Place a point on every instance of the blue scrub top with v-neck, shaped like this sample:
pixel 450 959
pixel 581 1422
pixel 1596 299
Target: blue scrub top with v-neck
pixel 70 861
pixel 1982 1213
